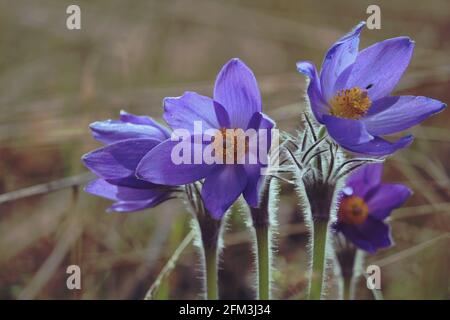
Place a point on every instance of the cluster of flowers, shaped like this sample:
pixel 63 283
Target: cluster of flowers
pixel 352 108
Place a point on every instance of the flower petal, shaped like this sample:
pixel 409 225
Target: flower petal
pixel 254 183
pixel 133 182
pixel 365 179
pixel 381 66
pixel 259 144
pixel 182 112
pixel 380 147
pixel 111 131
pixel 341 55
pixel 127 199
pixel 222 188
pixel 346 131
pixel 353 234
pixel 342 79
pixel 393 114
pixel 120 159
pixel 223 118
pixel 386 198
pixel 237 90
pixel 144 120
pixel 131 206
pixel 370 236
pixel 102 188
pixel 376 232
pixel 260 120
pixel 160 166
pixel 319 107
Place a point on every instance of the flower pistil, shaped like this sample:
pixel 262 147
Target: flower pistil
pixel 353 210
pixel 230 144
pixel 350 103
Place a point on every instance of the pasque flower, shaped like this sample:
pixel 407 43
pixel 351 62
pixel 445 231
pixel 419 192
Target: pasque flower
pixel 236 105
pixel 364 203
pixel 127 141
pixel 351 96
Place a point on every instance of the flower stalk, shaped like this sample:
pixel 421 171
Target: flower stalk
pixel 320 230
pixel 212 292
pixel 320 197
pixel 319 167
pixel 262 225
pixel 316 160
pixel 351 261
pixel 208 232
pixel 346 254
pixel 263 248
pixel 347 288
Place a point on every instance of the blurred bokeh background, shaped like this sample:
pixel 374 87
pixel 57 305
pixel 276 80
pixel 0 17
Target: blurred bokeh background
pixel 130 55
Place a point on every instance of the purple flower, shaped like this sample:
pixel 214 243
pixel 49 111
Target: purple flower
pixel 236 105
pixel 351 97
pixel 128 140
pixel 365 203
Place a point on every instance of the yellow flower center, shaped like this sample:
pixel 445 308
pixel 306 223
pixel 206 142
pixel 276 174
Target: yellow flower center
pixel 230 144
pixel 353 210
pixel 350 103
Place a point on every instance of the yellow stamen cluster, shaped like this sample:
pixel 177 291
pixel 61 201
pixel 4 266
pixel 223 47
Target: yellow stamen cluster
pixel 350 103
pixel 230 144
pixel 353 210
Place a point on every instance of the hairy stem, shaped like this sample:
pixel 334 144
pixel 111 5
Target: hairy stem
pixel 263 247
pixel 210 230
pixel 262 226
pixel 320 230
pixel 211 273
pixel 346 257
pixel 347 288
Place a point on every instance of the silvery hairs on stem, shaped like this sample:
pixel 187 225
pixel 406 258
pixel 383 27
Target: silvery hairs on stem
pixel 207 230
pixel 319 167
pixel 350 264
pixel 345 255
pixel 265 216
pixel 266 212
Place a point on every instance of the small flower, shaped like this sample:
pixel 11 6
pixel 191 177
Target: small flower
pixel 351 97
pixel 365 203
pixel 236 106
pixel 128 140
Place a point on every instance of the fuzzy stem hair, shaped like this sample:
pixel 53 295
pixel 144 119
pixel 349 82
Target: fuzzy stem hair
pixel 263 222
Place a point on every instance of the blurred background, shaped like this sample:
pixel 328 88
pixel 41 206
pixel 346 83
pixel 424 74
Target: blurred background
pixel 130 55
